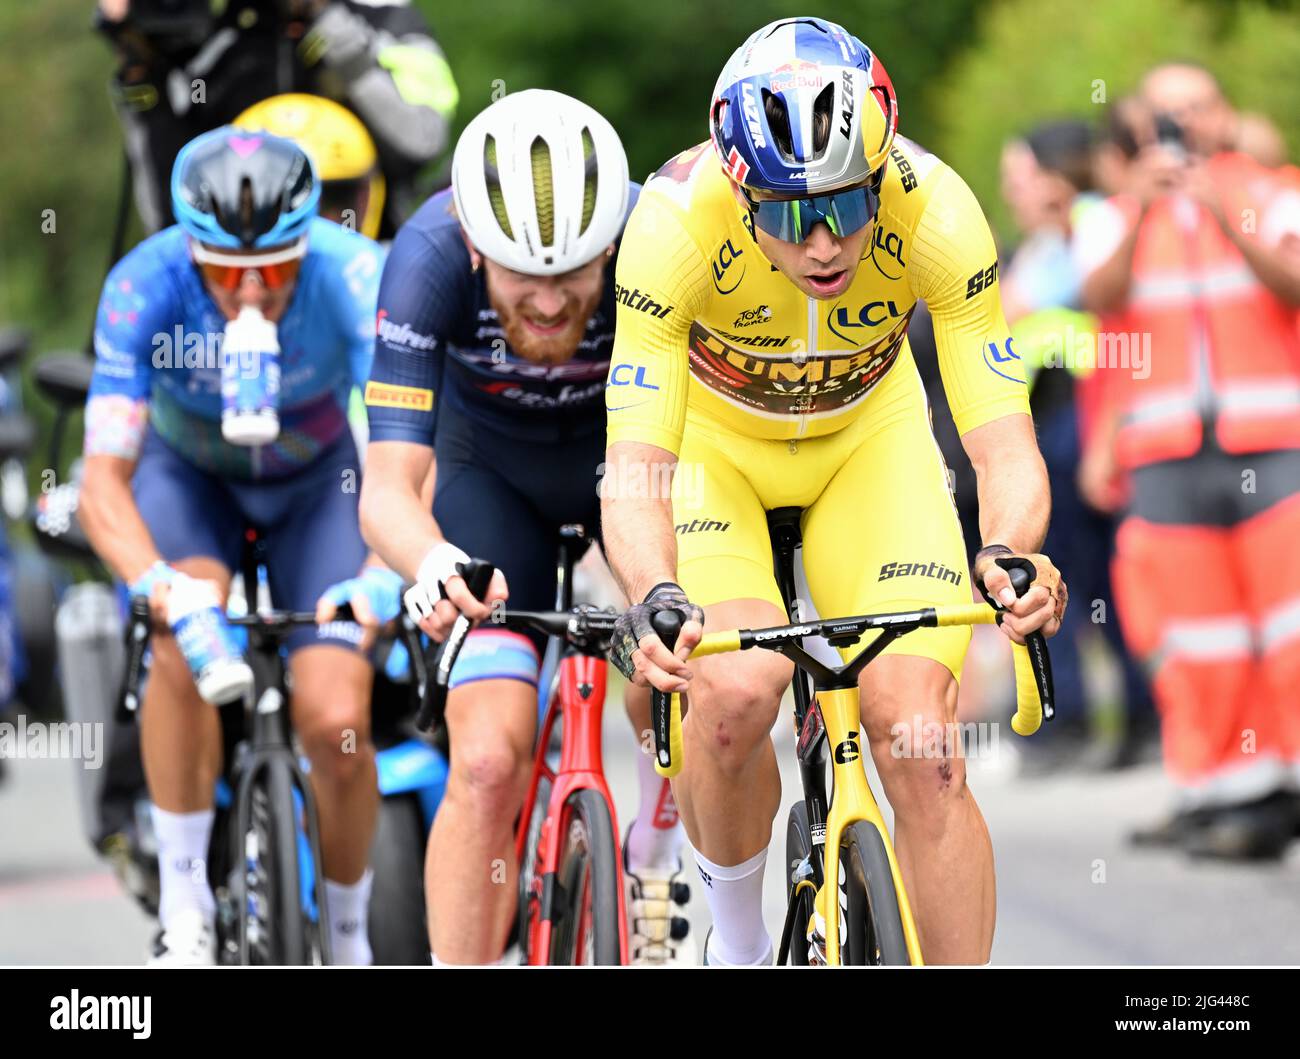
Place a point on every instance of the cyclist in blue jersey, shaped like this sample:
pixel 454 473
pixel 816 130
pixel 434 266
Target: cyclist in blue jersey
pixel 251 310
pixel 495 324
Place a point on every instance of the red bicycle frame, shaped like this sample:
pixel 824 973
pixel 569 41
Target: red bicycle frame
pixel 580 698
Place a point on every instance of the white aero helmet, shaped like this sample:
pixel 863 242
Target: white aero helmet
pixel 540 182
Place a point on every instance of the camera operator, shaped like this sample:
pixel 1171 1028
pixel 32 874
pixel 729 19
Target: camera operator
pixel 184 70
pixel 1199 257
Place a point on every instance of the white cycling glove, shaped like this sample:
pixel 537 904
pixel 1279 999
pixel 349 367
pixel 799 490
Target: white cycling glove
pixel 435 570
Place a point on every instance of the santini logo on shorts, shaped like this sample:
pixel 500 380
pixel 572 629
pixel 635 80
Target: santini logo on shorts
pixel 936 570
pixel 388 395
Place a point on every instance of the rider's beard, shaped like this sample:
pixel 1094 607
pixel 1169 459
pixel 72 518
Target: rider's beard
pixel 546 349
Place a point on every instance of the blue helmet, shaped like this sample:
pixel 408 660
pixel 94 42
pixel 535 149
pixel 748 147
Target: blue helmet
pixel 242 190
pixel 803 108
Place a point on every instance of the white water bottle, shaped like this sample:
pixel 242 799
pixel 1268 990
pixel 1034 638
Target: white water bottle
pixel 250 380
pixel 204 638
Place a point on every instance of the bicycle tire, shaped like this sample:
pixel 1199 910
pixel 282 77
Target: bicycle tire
pixel 528 867
pixel 874 935
pixel 398 927
pixel 585 920
pixel 271 872
pixel 798 845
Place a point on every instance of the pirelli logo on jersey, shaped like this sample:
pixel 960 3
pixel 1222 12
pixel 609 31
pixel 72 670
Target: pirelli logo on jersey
pixel 642 303
pixel 390 395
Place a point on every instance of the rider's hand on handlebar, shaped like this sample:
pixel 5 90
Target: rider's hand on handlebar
pixel 637 650
pixel 375 597
pixel 1039 609
pixel 156 583
pixel 440 594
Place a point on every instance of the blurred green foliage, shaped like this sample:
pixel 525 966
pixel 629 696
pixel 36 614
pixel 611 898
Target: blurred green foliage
pixel 969 74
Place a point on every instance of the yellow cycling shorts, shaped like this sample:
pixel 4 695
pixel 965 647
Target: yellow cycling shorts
pixel 880 532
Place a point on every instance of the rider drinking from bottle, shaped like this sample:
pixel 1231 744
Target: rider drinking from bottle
pixel 226 346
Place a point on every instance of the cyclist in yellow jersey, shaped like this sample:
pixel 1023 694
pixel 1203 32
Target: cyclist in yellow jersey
pixel 765 283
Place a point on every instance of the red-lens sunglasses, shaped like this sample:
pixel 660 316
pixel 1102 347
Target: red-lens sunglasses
pixel 225 271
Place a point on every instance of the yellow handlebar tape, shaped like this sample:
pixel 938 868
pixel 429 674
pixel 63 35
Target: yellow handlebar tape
pixel 674 765
pixel 717 643
pixel 1029 707
pixel 966 614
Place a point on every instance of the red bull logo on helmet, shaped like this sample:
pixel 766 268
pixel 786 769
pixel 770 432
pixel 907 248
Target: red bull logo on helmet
pixel 798 73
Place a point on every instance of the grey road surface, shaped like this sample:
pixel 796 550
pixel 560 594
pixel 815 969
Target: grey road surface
pixel 1069 890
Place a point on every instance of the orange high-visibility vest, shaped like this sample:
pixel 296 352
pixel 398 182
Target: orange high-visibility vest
pixel 1222 346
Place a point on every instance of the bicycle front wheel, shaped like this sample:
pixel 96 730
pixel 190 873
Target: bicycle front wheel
pixel 798 848
pixel 869 902
pixel 271 916
pixel 585 910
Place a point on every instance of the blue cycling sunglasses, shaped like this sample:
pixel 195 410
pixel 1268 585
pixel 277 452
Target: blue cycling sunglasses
pixel 790 220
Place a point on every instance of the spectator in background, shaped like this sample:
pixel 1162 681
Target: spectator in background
pixel 184 70
pixel 1047 183
pixel 1258 137
pixel 1200 252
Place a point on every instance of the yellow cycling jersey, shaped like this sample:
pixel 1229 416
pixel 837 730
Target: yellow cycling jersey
pixel 706 321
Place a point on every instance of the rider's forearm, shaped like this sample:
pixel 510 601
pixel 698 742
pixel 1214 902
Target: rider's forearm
pixel 1015 500
pixel 107 512
pixel 636 515
pixel 396 521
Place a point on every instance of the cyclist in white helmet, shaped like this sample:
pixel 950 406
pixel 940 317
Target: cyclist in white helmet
pixel 496 320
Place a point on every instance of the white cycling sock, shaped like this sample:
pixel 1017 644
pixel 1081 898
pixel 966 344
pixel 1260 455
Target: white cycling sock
pixel 346 907
pixel 656 836
pixel 182 863
pixel 735 897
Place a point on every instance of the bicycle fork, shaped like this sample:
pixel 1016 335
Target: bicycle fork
pixel 852 802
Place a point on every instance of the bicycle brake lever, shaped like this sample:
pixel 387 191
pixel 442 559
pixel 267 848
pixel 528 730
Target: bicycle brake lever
pixel 665 708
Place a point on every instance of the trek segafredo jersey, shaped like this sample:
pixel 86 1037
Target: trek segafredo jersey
pixel 710 323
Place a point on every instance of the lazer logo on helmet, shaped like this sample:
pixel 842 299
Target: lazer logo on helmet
pixel 846 115
pixel 642 303
pixel 751 116
pixel 935 570
pixel 905 171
